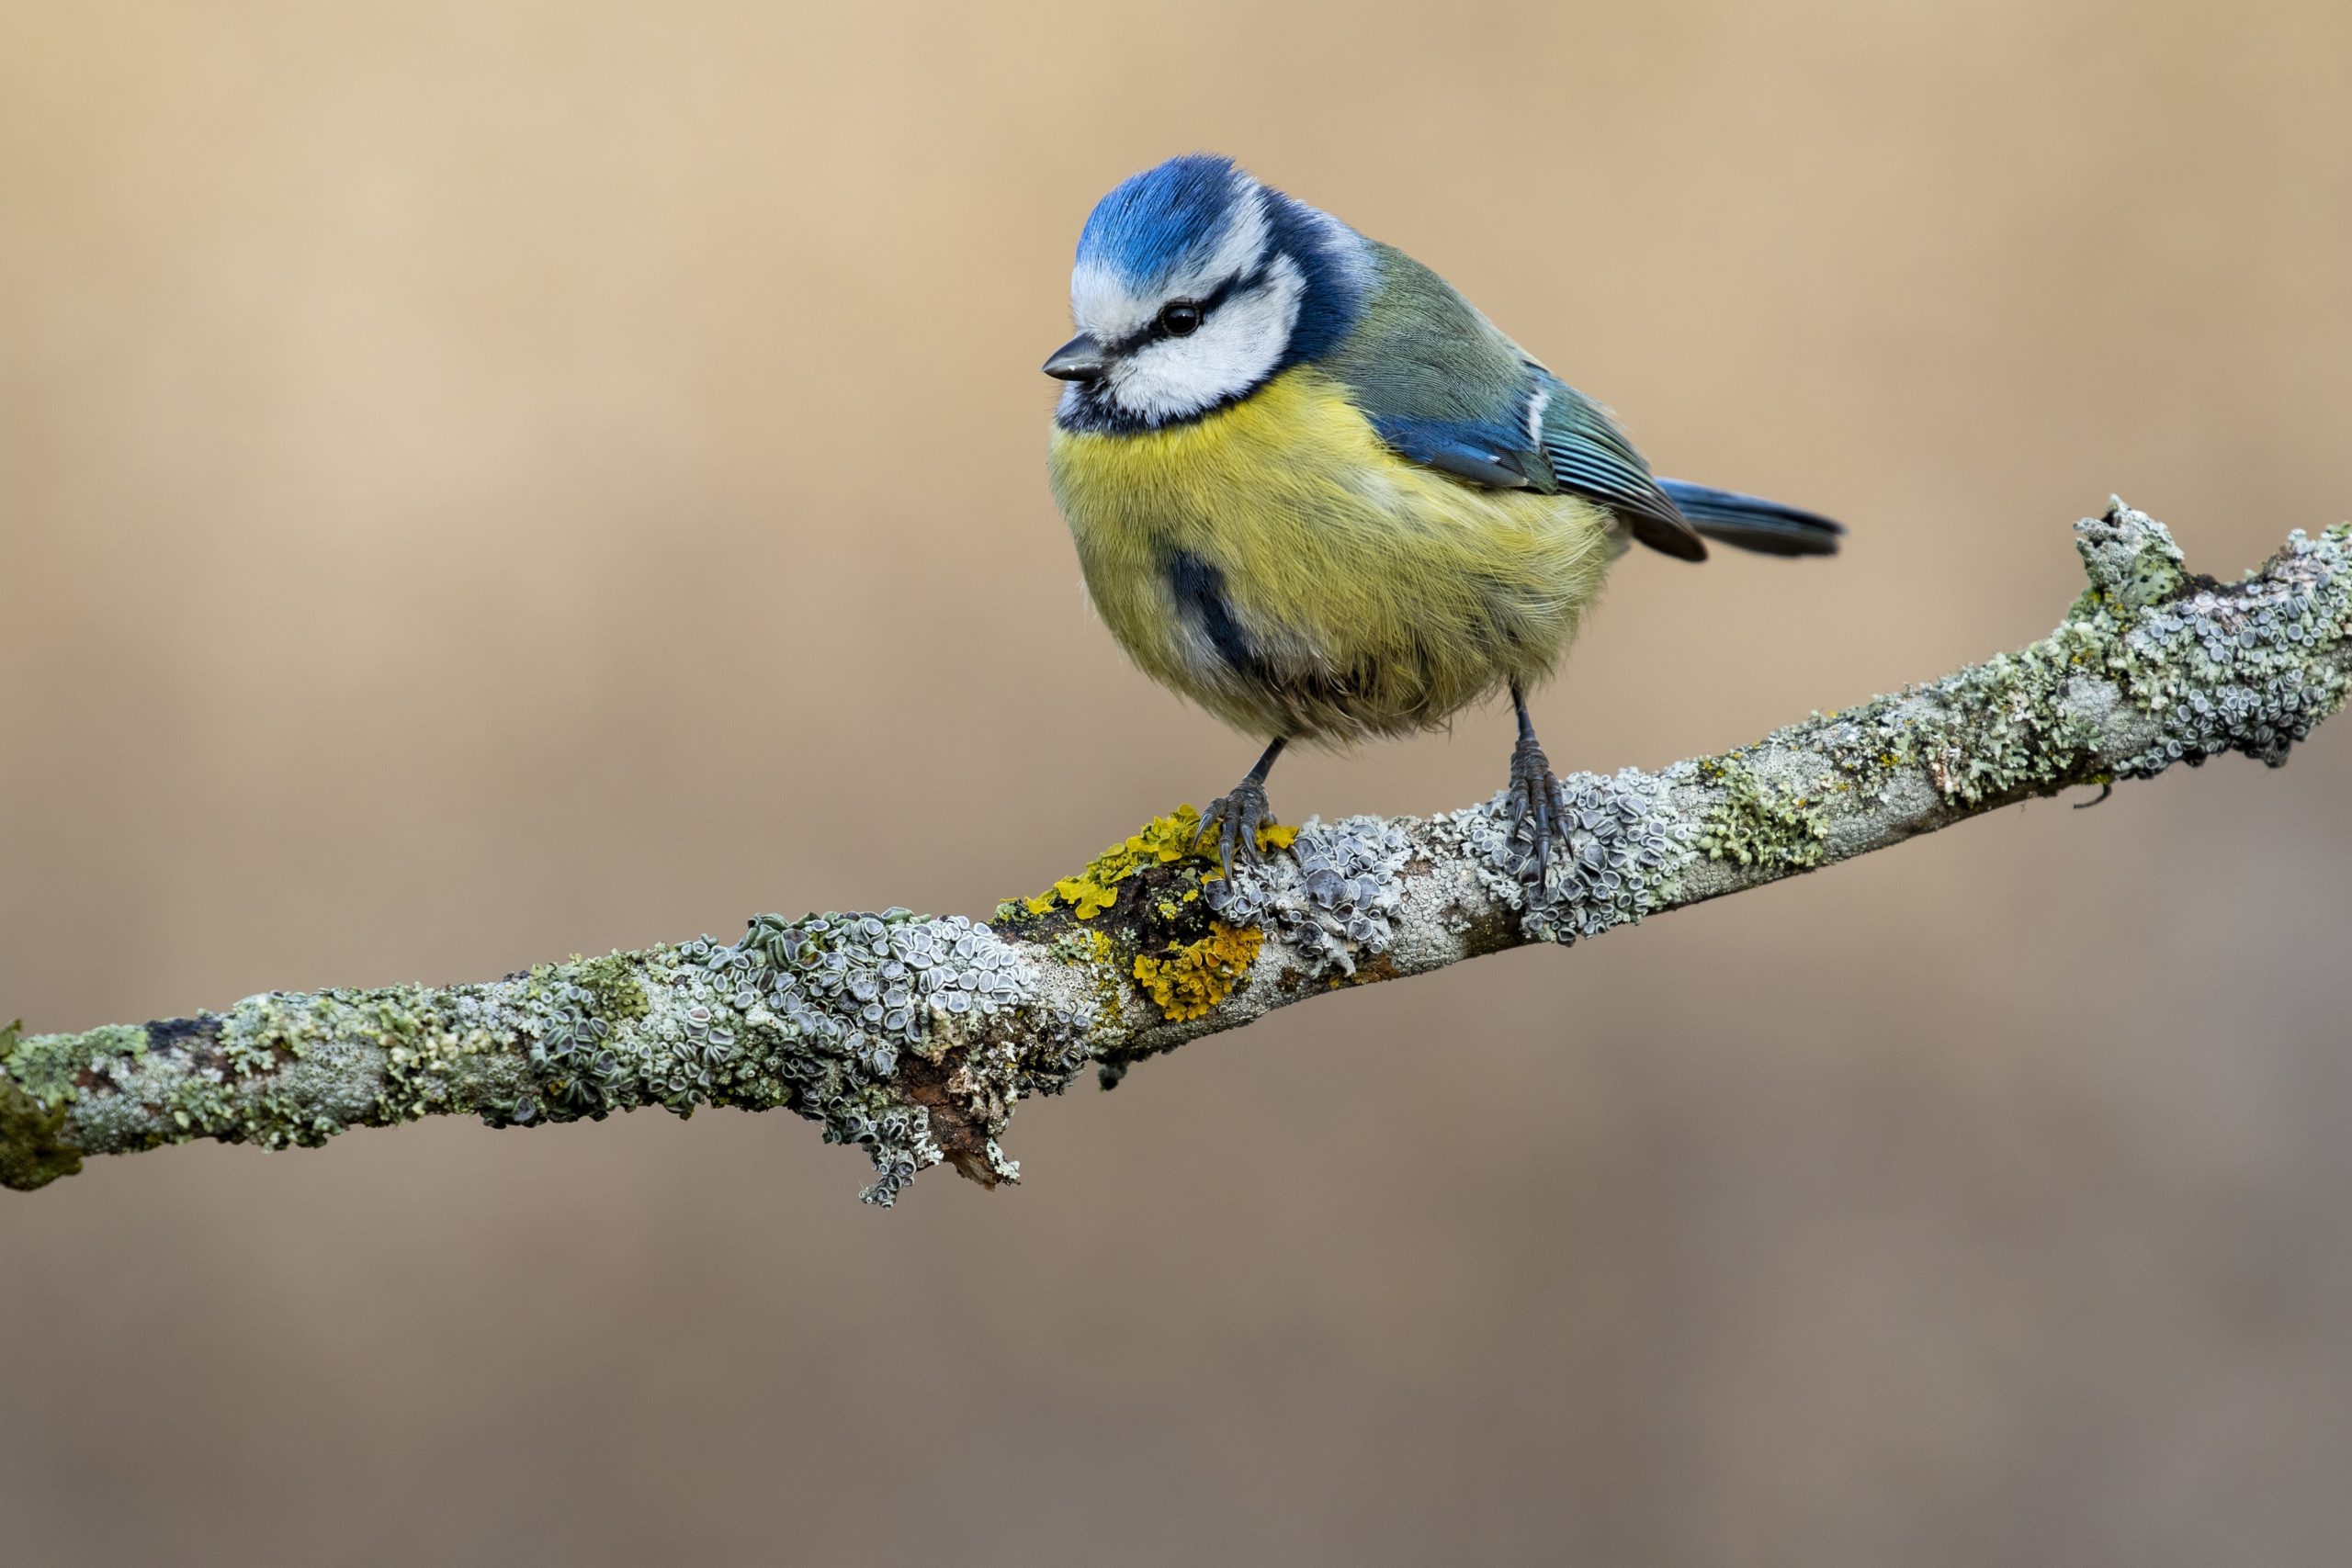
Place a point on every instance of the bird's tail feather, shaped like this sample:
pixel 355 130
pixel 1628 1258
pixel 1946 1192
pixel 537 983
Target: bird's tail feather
pixel 1751 523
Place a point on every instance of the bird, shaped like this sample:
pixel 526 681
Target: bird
pixel 1315 491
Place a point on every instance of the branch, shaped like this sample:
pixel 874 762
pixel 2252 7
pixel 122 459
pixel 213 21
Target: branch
pixel 914 1038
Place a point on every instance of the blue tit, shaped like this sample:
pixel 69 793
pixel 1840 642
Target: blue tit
pixel 1315 492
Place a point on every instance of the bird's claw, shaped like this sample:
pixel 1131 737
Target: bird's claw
pixel 1536 812
pixel 1233 821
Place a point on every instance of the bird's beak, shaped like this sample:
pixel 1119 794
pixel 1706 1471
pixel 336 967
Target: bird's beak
pixel 1079 359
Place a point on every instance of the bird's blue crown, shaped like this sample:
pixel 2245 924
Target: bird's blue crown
pixel 1153 223
pixel 1270 283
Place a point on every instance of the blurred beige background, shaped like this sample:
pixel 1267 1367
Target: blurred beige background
pixel 482 480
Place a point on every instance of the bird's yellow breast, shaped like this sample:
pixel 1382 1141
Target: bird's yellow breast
pixel 1278 563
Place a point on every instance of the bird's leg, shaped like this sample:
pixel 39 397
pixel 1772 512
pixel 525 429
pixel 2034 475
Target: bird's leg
pixel 1536 812
pixel 1235 817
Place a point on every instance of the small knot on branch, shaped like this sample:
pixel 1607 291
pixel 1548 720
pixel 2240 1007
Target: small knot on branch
pixel 2130 557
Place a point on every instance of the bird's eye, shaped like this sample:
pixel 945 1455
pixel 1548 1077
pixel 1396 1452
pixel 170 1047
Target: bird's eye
pixel 1179 318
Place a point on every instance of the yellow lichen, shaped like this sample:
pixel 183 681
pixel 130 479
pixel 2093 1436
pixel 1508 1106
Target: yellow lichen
pixel 1164 840
pixel 1189 980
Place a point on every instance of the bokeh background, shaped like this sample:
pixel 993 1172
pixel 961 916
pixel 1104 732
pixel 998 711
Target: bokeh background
pixel 487 480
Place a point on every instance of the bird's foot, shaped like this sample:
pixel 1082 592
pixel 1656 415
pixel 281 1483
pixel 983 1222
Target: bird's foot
pixel 1233 821
pixel 1534 813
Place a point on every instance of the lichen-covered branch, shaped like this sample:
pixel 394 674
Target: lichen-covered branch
pixel 915 1038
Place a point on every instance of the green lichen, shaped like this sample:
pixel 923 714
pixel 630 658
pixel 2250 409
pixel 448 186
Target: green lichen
pixel 425 1060
pixel 33 1152
pixel 49 1068
pixel 1094 953
pixel 1995 731
pixel 33 1148
pixel 2219 668
pixel 1757 822
pixel 613 982
pixel 2000 729
pixel 2131 561
pixel 1869 746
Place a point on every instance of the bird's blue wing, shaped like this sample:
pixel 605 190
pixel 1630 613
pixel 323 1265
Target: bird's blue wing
pixel 1591 457
pixel 1483 452
pixel 1556 439
pixel 1444 387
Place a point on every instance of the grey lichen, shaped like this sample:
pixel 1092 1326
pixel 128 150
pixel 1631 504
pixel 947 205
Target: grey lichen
pixel 832 1002
pixel 2230 668
pixel 1623 848
pixel 1333 896
pixel 818 1015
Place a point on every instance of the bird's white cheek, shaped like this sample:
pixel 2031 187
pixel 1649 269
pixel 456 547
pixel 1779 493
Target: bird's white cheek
pixel 1236 348
pixel 1184 376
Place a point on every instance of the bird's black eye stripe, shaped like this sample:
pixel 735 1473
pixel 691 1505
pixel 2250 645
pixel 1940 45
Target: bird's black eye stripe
pixel 1161 327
